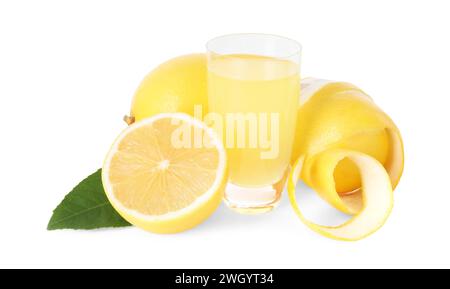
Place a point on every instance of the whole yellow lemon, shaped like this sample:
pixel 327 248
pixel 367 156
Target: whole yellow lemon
pixel 176 85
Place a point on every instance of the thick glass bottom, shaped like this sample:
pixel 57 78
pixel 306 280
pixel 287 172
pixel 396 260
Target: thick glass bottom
pixel 256 200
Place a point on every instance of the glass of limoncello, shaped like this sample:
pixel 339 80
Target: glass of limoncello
pixel 253 96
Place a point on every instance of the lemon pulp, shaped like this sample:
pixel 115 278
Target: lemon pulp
pixel 159 186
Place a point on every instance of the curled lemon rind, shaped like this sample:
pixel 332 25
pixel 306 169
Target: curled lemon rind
pixel 376 194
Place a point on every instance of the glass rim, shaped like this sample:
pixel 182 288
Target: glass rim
pixel 297 44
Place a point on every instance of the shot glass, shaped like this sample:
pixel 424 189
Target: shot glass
pixel 253 95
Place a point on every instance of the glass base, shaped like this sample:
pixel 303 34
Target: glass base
pixel 258 200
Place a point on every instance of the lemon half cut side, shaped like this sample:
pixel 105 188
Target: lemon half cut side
pixel 159 186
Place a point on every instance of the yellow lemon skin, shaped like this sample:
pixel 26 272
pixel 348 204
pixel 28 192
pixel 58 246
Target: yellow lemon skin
pixel 374 144
pixel 369 216
pixel 176 85
pixel 341 116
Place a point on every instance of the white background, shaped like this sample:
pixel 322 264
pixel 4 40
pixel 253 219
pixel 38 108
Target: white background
pixel 68 70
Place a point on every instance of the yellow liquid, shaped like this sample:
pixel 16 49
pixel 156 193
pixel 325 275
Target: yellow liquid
pixel 258 85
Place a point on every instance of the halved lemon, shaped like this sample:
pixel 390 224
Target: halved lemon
pixel 165 174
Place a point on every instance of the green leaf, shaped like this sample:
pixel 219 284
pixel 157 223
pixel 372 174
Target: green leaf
pixel 86 207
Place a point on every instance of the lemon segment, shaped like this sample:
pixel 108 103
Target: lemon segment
pixel 159 185
pixel 376 193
